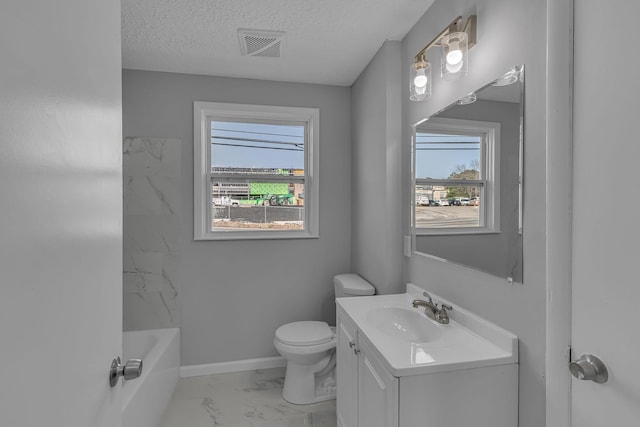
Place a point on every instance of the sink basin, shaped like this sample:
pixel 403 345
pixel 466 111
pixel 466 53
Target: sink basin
pixel 403 324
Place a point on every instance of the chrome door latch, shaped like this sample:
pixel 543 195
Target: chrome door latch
pixel 589 368
pixel 130 370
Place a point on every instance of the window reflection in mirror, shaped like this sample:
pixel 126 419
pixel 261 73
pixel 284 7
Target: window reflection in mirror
pixel 448 151
pixel 467 178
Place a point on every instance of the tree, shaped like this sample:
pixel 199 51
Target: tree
pixel 464 172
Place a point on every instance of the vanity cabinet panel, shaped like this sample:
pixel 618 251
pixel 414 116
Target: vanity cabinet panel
pixel 480 397
pixel 377 391
pixel 347 374
pixel 367 394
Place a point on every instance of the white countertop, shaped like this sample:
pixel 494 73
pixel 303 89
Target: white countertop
pixel 468 341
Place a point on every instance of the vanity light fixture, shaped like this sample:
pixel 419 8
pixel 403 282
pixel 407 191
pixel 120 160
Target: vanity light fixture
pixel 510 77
pixel 468 99
pixel 420 79
pixel 455 40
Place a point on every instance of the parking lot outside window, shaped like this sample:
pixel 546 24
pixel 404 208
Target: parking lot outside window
pixel 456 183
pixel 255 171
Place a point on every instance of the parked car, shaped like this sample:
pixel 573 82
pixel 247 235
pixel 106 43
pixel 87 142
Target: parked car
pixel 474 201
pixel 464 201
pixel 455 202
pixel 225 201
pixel 422 201
pixel 443 202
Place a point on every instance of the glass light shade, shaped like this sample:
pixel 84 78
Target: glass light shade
pixel 420 80
pixel 468 99
pixel 455 52
pixel 509 78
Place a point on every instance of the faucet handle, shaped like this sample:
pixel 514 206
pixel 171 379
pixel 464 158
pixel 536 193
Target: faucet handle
pixel 443 316
pixel 445 306
pixel 425 294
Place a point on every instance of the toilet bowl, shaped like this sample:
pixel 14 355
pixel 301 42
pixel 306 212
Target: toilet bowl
pixel 309 348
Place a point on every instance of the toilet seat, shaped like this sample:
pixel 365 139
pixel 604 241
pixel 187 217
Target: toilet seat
pixel 305 333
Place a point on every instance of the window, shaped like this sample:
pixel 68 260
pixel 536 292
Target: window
pixel 456 177
pixel 255 171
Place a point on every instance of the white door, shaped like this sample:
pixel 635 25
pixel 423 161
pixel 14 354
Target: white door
pixel 606 215
pixel 60 212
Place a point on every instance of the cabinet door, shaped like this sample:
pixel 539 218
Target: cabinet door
pixel 377 391
pixel 346 375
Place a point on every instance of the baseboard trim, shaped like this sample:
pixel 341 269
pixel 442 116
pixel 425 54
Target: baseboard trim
pixel 232 366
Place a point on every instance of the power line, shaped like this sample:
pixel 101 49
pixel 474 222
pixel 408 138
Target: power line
pixel 447 149
pixel 229 138
pixel 257 146
pixel 447 142
pixel 258 133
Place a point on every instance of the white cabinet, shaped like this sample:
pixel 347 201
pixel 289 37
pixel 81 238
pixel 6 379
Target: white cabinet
pixel 346 375
pixel 367 393
pixel 377 391
pixel 478 397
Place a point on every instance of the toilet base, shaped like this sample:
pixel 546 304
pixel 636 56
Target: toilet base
pixel 303 387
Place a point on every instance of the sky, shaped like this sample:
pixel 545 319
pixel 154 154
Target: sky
pixel 437 155
pixel 252 145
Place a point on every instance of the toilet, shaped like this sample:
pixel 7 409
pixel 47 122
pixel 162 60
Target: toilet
pixel 309 347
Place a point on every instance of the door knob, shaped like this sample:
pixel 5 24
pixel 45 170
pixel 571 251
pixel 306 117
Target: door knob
pixel 589 368
pixel 130 370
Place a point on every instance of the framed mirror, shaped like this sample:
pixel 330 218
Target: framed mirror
pixel 467 179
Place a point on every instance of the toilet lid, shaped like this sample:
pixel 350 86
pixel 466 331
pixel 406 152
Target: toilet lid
pixel 304 333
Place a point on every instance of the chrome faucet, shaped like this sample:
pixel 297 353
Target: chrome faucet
pixel 439 314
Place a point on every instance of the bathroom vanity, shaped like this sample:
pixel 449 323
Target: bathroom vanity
pixel 398 368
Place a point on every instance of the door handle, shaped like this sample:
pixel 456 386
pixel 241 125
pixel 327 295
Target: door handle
pixel 589 368
pixel 355 349
pixel 130 370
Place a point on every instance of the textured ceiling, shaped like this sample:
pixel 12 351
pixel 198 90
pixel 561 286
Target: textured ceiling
pixel 327 42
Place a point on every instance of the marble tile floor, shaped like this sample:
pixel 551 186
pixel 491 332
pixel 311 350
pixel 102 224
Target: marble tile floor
pixel 242 399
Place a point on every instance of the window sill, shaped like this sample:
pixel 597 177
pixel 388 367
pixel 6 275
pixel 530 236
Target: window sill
pixel 256 235
pixel 454 232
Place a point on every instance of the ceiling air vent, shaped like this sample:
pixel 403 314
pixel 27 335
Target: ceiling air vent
pixel 261 43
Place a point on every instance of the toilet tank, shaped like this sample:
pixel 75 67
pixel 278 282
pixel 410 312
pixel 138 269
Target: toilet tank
pixel 347 285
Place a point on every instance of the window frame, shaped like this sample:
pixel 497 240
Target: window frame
pixel 489 180
pixel 203 114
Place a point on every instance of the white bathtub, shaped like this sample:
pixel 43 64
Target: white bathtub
pixel 144 399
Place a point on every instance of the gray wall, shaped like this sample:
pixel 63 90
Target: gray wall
pixel 509 33
pixel 377 209
pixel 237 293
pixel 497 253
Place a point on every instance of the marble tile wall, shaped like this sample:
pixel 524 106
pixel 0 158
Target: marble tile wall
pixel 151 251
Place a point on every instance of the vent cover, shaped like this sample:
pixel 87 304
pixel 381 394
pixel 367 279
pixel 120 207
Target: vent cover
pixel 261 43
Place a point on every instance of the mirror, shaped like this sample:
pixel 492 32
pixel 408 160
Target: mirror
pixel 467 179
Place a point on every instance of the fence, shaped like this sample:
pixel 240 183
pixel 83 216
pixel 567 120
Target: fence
pixel 259 214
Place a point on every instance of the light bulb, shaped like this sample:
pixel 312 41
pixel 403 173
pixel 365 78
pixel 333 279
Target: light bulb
pixel 454 68
pixel 420 80
pixel 454 56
